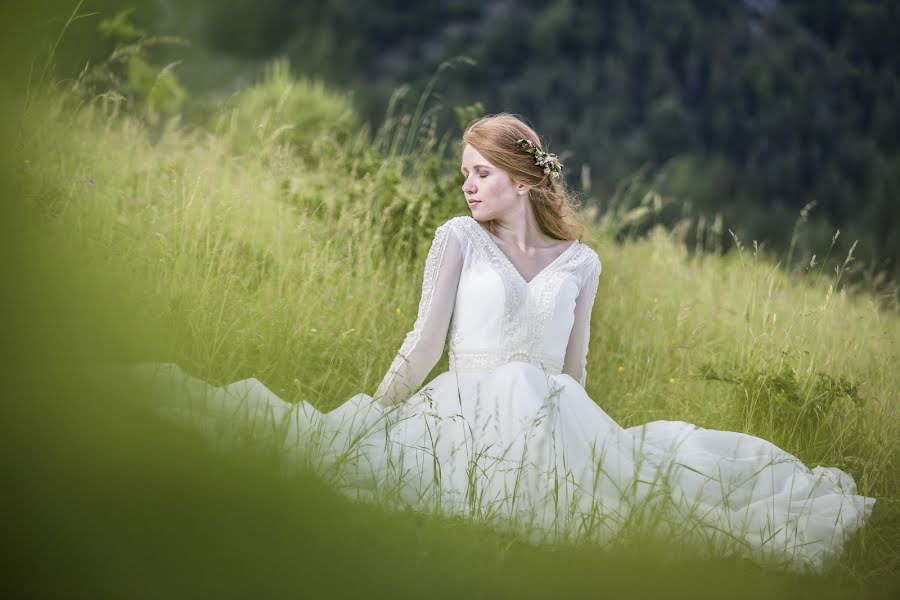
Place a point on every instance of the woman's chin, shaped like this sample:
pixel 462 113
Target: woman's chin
pixel 476 211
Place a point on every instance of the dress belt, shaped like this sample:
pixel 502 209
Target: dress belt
pixel 490 360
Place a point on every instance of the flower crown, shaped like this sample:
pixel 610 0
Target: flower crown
pixel 547 160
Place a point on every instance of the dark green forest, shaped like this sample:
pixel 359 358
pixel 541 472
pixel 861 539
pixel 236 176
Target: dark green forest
pixel 776 119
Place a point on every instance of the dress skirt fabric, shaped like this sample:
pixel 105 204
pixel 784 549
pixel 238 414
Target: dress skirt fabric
pixel 530 452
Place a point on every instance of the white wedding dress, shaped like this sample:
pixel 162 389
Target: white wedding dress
pixel 508 436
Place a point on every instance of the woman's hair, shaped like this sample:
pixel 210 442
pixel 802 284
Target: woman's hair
pixel 494 136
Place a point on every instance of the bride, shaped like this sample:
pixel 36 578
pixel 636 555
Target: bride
pixel 507 436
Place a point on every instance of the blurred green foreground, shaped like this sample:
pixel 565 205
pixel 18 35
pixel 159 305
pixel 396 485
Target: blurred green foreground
pixel 123 241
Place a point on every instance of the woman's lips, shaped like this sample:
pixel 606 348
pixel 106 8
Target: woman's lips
pixel 473 202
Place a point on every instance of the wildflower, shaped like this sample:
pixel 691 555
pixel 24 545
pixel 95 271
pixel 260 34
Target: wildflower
pixel 397 310
pixel 313 330
pixel 672 380
pixel 621 369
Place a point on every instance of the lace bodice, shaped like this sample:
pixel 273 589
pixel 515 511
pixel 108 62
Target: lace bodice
pixel 493 315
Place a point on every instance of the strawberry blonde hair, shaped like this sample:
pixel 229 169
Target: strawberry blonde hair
pixel 494 136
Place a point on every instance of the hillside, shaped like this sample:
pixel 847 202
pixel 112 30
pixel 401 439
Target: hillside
pixel 250 248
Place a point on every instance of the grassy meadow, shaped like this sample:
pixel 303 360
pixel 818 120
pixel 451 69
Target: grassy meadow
pixel 251 246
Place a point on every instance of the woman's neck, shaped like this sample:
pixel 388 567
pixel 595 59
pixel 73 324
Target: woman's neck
pixel 519 229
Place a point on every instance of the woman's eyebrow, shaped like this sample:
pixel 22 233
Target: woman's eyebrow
pixel 475 167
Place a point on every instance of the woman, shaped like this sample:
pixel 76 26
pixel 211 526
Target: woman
pixel 508 436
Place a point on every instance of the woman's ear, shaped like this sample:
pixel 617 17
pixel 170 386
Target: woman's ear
pixel 522 189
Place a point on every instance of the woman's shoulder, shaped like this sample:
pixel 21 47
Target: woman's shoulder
pixel 587 259
pixel 459 222
pixel 454 228
pixel 460 225
pixel 592 257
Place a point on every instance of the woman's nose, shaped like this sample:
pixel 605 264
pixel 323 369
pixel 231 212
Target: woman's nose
pixel 467 185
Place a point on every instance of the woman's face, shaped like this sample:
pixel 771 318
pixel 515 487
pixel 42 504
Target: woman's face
pixel 489 191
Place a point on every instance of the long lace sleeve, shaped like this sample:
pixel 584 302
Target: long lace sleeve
pixel 424 345
pixel 575 363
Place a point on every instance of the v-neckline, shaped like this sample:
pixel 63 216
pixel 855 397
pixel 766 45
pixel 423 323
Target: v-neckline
pixel 505 259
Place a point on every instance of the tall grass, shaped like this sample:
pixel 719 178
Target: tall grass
pixel 304 272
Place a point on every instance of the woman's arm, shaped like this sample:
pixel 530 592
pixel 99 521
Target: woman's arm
pixel 424 345
pixel 575 363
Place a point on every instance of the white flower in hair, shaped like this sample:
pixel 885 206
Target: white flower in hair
pixel 547 160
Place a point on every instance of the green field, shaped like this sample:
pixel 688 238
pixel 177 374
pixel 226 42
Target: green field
pixel 279 240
